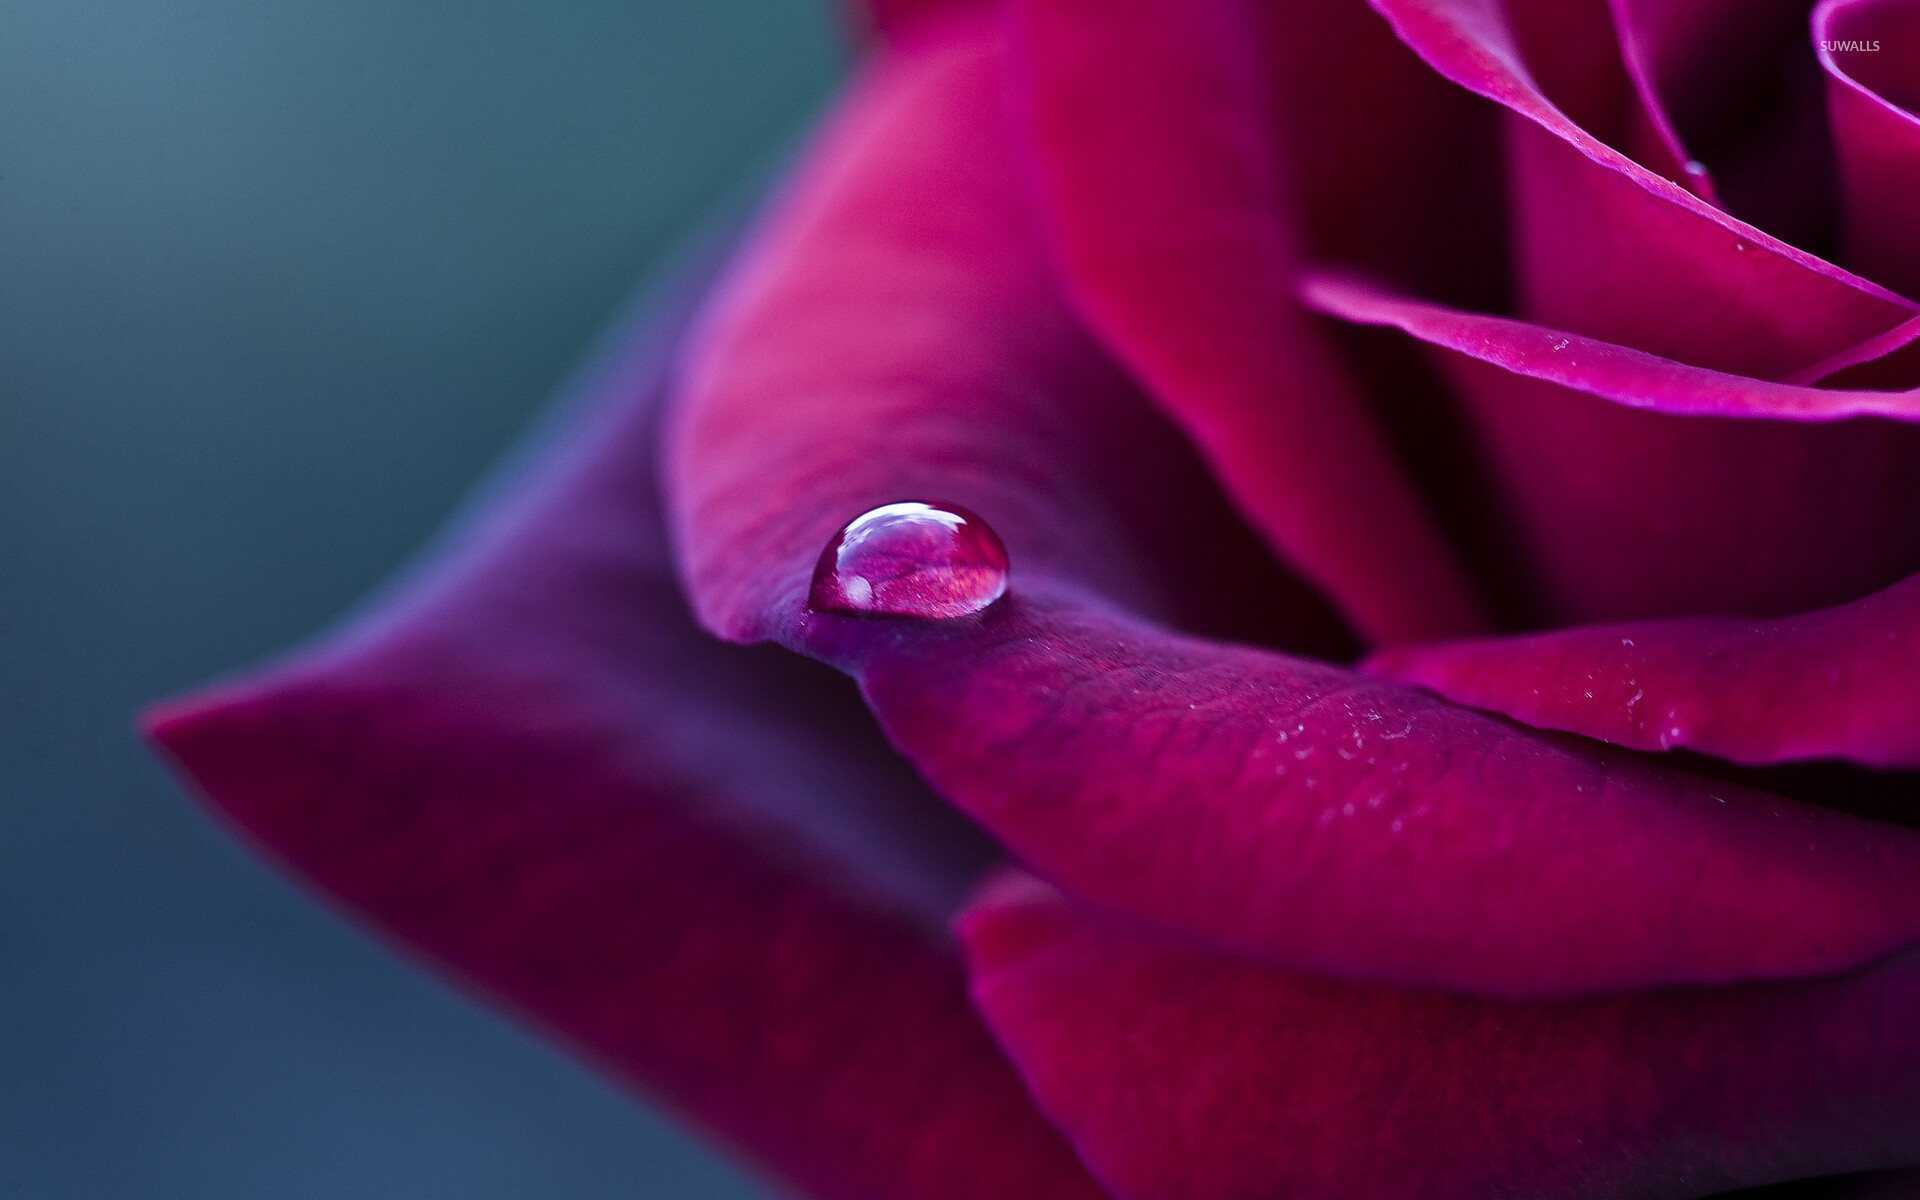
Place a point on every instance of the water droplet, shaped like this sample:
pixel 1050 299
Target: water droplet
pixel 910 559
pixel 1695 167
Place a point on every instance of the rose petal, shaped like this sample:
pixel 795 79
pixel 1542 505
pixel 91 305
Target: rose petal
pixel 1363 125
pixel 856 363
pixel 1652 139
pixel 1302 814
pixel 1164 201
pixel 1183 1075
pixel 1873 103
pixel 1608 249
pixel 1618 514
pixel 1591 59
pixel 697 864
pixel 894 335
pixel 1880 363
pixel 895 19
pixel 1737 84
pixel 1839 683
pixel 1622 374
pixel 1622 516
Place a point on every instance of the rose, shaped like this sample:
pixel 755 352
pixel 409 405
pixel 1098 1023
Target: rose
pixel 1307 930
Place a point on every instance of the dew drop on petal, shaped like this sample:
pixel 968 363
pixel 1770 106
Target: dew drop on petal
pixel 910 559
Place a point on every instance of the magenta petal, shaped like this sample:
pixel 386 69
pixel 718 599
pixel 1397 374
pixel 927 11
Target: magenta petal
pixel 1735 82
pixel 1630 280
pixel 1637 486
pixel 897 19
pixel 880 342
pixel 1643 32
pixel 1305 815
pixel 1610 250
pixel 1185 1076
pixel 894 335
pixel 1619 259
pixel 1363 124
pixel 1840 683
pixel 1622 374
pixel 696 864
pixel 1164 199
pixel 1870 50
pixel 1595 62
pixel 891 338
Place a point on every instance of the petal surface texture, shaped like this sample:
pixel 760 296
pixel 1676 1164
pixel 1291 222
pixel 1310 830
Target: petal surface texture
pixel 1185 1076
pixel 1627 377
pixel 894 334
pixel 1699 286
pixel 1840 683
pixel 1302 814
pixel 1165 202
pixel 1636 486
pixel 1870 51
pixel 696 864
pixel 1620 514
pixel 1278 806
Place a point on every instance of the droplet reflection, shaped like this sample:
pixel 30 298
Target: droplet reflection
pixel 911 559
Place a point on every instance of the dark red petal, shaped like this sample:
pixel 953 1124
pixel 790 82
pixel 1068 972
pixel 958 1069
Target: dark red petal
pixel 1594 60
pixel 1622 374
pixel 1185 1076
pixel 1873 100
pixel 1628 260
pixel 890 338
pixel 1643 31
pixel 900 18
pixel 1624 503
pixel 1736 83
pixel 1608 249
pixel 1840 683
pixel 696 864
pixel 1161 192
pixel 1308 816
pixel 1623 515
pixel 1363 125
pixel 894 335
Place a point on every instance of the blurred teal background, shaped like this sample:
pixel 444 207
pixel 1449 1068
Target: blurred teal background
pixel 277 282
